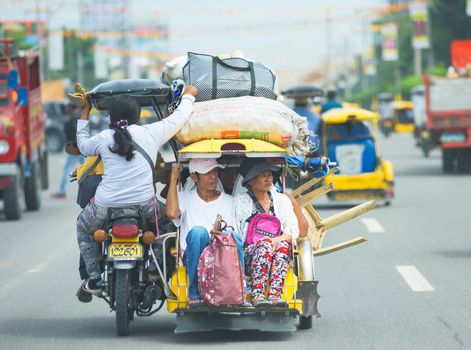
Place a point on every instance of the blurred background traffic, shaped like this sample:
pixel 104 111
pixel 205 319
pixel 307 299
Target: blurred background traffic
pixel 407 61
pixel 373 53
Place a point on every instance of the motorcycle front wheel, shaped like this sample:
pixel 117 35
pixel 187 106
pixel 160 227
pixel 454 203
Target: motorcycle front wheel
pixel 123 301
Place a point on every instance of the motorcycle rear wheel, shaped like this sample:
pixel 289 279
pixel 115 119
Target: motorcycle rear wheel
pixel 123 302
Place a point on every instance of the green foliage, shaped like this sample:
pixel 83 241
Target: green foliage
pixel 448 22
pixel 408 83
pixel 20 39
pixel 438 70
pixel 74 47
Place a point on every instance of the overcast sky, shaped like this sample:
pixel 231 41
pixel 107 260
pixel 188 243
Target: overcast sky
pixel 293 37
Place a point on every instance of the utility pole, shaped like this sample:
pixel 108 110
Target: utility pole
pixel 80 75
pixel 418 62
pixel 39 35
pixel 431 59
pixel 328 39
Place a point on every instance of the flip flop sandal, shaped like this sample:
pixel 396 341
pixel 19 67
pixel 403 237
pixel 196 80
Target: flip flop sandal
pixel 261 303
pixel 278 303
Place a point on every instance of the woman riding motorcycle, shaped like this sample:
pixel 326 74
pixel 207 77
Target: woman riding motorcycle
pixel 127 181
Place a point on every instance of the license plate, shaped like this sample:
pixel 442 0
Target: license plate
pixel 125 251
pixel 452 138
pixel 351 196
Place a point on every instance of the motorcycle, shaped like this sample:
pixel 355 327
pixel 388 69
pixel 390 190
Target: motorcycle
pixel 386 126
pixel 128 286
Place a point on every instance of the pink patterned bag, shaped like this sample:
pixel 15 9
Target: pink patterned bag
pixel 221 280
pixel 263 226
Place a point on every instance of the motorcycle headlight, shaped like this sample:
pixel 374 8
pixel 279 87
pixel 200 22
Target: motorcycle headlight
pixel 4 147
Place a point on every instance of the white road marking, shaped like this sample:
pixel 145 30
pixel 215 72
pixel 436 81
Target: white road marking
pixel 414 279
pixel 373 225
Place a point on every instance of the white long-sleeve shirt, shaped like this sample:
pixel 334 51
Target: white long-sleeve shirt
pixel 130 182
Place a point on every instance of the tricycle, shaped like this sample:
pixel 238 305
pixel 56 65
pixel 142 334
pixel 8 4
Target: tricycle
pixel 300 289
pixel 129 248
pixel 350 139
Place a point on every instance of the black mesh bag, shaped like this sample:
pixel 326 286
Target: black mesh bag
pixel 231 77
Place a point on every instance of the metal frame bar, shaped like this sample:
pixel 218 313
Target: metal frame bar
pixel 167 289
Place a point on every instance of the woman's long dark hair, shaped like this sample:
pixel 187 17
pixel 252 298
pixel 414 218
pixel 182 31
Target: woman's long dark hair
pixel 123 108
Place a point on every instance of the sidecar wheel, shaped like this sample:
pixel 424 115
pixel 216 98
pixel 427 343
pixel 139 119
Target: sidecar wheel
pixel 305 322
pixel 123 301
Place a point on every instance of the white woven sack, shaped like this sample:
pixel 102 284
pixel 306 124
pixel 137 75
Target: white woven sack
pixel 244 117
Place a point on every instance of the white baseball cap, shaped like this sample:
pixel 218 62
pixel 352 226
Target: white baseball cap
pixel 203 165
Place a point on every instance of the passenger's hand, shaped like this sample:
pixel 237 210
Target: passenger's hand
pixel 176 170
pixel 71 149
pixel 276 240
pixel 324 162
pixel 215 232
pixel 86 108
pixel 190 90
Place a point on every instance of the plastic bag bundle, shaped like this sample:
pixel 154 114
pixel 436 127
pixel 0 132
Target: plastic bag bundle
pixel 173 69
pixel 246 117
pixel 302 144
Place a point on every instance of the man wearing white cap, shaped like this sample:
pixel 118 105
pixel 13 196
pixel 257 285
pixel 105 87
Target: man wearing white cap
pixel 195 212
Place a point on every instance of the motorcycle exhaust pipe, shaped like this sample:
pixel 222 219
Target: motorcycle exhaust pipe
pixel 151 294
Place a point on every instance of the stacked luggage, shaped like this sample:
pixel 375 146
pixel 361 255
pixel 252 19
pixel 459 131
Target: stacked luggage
pixel 236 100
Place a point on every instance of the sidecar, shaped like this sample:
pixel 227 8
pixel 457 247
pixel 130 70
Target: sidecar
pixel 300 289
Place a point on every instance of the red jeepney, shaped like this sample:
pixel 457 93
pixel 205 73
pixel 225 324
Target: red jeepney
pixel 23 156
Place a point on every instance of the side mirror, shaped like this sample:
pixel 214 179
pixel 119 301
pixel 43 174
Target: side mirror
pixel 12 80
pixel 22 96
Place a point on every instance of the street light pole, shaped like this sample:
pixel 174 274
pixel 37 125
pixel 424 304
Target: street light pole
pixel 39 34
pixel 431 59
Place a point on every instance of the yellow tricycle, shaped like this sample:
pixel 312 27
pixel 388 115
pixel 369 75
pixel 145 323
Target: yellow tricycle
pixel 350 140
pixel 300 288
pixel 403 116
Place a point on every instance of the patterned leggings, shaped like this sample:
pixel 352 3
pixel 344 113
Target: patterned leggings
pixel 267 268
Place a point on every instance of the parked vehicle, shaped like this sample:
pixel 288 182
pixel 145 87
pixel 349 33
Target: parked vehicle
pixel 57 117
pixel 350 139
pixel 23 156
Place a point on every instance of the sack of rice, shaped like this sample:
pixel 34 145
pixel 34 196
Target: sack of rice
pixel 246 117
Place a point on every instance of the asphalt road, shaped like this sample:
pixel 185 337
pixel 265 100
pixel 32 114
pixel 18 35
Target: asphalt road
pixel 408 287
